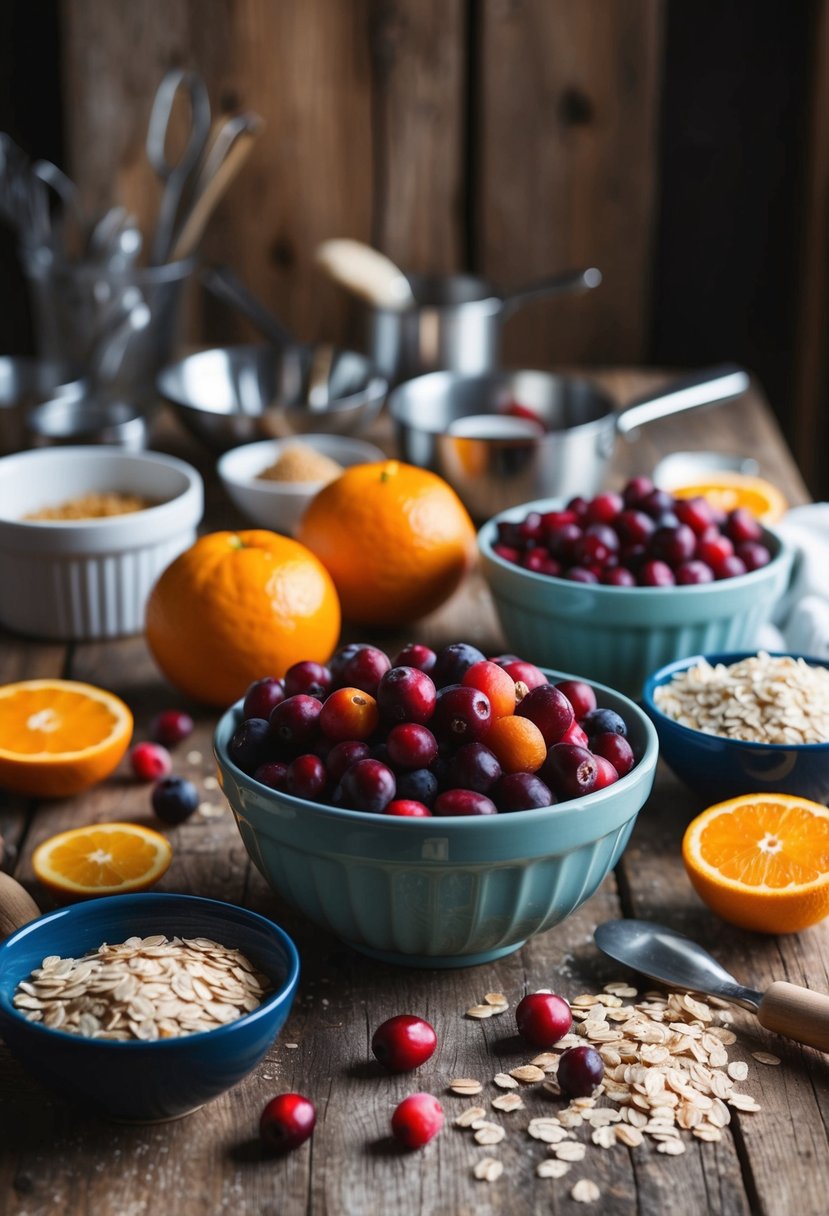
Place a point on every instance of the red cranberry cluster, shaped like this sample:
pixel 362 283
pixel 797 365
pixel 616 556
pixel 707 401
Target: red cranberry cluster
pixel 174 799
pixel 448 733
pixel 643 537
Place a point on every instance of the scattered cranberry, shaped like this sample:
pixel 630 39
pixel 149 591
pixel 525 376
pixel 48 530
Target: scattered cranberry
pixel 408 808
pixel 262 696
pixel 171 727
pixel 417 1120
pixel 286 1122
pixel 150 761
pixel 543 1018
pixel 174 799
pixel 406 694
pixel 404 1042
pixel 580 1070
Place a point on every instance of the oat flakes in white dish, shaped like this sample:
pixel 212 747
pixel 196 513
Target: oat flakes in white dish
pixel 761 699
pixel 145 988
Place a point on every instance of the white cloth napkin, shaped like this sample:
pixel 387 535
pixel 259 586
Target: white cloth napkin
pixel 801 619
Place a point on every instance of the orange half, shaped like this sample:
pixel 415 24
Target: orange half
pixel 102 859
pixel 726 491
pixel 58 737
pixel 761 861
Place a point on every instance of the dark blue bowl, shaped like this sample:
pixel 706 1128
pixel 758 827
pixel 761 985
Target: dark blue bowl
pixel 147 1081
pixel 719 768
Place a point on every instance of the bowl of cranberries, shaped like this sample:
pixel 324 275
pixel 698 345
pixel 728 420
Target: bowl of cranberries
pixel 434 809
pixel 621 583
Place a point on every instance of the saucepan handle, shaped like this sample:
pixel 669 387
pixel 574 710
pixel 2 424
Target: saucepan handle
pixel 708 387
pixel 555 285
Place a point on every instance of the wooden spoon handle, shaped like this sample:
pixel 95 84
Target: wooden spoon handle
pixel 206 203
pixel 17 907
pixel 366 272
pixel 797 1013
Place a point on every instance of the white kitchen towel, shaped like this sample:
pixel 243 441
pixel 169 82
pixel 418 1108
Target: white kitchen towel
pixel 801 620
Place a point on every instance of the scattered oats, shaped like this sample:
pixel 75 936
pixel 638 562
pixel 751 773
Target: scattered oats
pixel 570 1118
pixel 211 810
pixel 489 1133
pixel 291 1046
pixel 495 998
pixel 552 1087
pixel 508 1102
pixel 552 1168
pixel 548 1130
pixel 469 1116
pixel 527 1073
pixel 467 1086
pixel 481 1011
pixel 604 1137
pixel 569 1150
pixel 546 1061
pixel 488 1169
pixel 738 1070
pixel 505 1081
pixel 621 989
pixel 743 1102
pixel 585 1191
pixel 765 1057
pixel 194 757
pixel 585 1001
pixel 673 1148
pixel 630 1136
pixel 568 1040
pixel 706 1131
pixel 210 783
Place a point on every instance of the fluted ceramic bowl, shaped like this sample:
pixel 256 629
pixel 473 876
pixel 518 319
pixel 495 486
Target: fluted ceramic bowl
pixel 439 892
pixel 138 1081
pixel 621 634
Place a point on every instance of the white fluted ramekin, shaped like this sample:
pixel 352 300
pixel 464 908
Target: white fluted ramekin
pixel 85 579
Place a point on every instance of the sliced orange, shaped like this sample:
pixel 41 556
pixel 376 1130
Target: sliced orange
pixel 761 861
pixel 728 490
pixel 102 859
pixel 58 737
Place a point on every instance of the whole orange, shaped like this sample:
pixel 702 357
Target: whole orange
pixel 396 539
pixel 236 606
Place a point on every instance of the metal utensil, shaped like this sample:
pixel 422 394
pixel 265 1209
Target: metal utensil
pixel 366 272
pixel 566 453
pixel 176 175
pixel 71 228
pixel 673 959
pixel 226 286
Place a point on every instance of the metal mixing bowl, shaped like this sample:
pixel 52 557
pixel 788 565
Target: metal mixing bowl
pixel 232 395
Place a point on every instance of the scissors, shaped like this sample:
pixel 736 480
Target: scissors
pixel 177 175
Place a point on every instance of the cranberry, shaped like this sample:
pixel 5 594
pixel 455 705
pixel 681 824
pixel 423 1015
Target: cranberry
pixel 286 1122
pixel 508 553
pixel 306 777
pixel 753 554
pixel 453 662
pixel 294 722
pixel 404 1042
pixel 580 574
pixel 556 519
pixel 174 799
pixel 343 755
pixel 251 744
pixel 543 1018
pixel 368 785
pixel 409 808
pixel 606 774
pixel 634 527
pixel 508 534
pixel 578 506
pixel 593 549
pixel 712 549
pixel 349 713
pixel 656 503
pixel 636 489
pixel 619 576
pixel 730 567
pixel 562 540
pixel 415 655
pixel 464 802
pixel 656 574
pixel 417 1120
pixel 419 785
pixel 171 727
pixel 262 696
pixel 411 745
pixel 539 561
pixel 575 734
pixel 674 545
pixel 549 709
pixel 530 528
pixel 693 574
pixel 308 677
pixel 526 673
pixel 741 525
pixel 150 761
pixel 521 792
pixel 359 666
pixel 474 767
pixel 569 770
pixel 272 773
pixel 462 714
pixel 695 512
pixel 580 695
pixel 406 694
pixel 616 749
pixel 604 508
pixel 580 1070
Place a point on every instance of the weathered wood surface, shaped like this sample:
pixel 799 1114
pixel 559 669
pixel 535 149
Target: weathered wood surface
pixel 54 1159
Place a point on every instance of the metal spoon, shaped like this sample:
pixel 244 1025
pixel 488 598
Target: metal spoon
pixel 675 960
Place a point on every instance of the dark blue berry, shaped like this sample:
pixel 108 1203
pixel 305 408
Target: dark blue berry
pixel 174 799
pixel 418 784
pixel 453 662
pixel 603 721
pixel 251 745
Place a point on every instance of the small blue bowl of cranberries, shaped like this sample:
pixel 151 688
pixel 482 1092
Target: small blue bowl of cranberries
pixel 429 809
pixel 622 583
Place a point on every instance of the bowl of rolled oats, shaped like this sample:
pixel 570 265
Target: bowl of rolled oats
pixel 84 533
pixel 744 722
pixel 145 1007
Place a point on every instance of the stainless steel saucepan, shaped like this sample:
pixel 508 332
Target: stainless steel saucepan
pixel 511 437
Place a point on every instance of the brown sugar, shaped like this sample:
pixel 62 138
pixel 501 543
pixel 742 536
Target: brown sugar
pixel 301 462
pixel 96 505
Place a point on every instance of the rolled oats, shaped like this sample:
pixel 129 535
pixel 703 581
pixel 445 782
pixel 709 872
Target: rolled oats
pixel 585 1191
pixel 488 1169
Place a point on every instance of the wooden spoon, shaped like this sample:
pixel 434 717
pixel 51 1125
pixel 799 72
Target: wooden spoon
pixel 17 907
pixel 366 272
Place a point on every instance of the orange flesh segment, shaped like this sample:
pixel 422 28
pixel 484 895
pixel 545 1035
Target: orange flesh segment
pixel 102 859
pixel 46 721
pixel 762 845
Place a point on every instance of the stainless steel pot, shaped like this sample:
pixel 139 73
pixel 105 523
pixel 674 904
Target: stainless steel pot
pixel 512 437
pixel 455 324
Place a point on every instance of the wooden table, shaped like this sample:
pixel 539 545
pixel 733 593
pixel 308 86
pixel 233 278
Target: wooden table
pixel 56 1159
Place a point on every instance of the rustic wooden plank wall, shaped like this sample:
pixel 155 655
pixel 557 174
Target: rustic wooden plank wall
pixel 514 137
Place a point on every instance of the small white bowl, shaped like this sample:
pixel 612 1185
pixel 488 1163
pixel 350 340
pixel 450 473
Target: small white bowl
pixel 278 505
pixel 89 578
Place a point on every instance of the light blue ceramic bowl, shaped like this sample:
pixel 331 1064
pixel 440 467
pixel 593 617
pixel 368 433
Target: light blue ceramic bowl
pixel 719 768
pixel 146 1081
pixel 621 634
pixel 438 892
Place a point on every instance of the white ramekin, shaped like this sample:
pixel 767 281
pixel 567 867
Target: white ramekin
pixel 84 579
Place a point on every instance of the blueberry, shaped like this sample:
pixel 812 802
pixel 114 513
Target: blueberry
pixel 603 721
pixel 174 799
pixel 251 745
pixel 419 784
